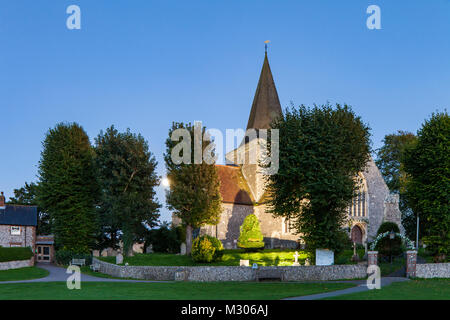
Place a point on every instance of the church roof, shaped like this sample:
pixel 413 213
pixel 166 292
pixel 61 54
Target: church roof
pixel 233 187
pixel 266 104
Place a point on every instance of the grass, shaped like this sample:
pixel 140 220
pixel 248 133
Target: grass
pixel 26 273
pixel 430 289
pixel 166 291
pixel 273 257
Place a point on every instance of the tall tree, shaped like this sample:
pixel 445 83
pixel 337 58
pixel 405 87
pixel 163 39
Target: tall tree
pixel 321 151
pixel 27 195
pixel 427 164
pixel 127 177
pixel 389 161
pixel 194 192
pixel 67 186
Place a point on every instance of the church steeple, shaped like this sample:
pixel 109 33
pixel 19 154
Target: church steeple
pixel 266 104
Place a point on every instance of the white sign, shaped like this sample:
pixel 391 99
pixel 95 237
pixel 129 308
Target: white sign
pixel 324 257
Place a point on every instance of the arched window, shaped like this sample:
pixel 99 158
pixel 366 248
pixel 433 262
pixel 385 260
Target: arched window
pixel 358 207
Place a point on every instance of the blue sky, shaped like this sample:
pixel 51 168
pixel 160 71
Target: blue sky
pixel 143 64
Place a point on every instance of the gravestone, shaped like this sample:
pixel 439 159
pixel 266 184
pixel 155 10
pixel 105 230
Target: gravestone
pixel 149 249
pixel 183 249
pixel 307 263
pixel 324 257
pixel 296 255
pixel 244 263
pixel 96 253
pixel 119 259
pixel 228 245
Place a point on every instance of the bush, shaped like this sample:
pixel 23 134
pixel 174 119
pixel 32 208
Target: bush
pixel 250 236
pixel 164 239
pixel 15 254
pixel 64 257
pixel 387 246
pixel 206 249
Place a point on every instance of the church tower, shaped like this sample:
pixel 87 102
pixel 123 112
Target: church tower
pixel 265 108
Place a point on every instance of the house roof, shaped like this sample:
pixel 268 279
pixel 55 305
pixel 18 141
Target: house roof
pixel 17 215
pixel 233 187
pixel 266 105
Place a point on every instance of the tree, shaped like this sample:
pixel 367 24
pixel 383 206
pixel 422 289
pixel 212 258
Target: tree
pixel 427 164
pixel 67 186
pixel 27 195
pixel 321 152
pixel 194 192
pixel 389 162
pixel 126 172
pixel 250 236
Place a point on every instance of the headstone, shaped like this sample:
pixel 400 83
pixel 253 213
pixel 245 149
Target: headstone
pixel 119 259
pixel 255 266
pixel 324 257
pixel 228 245
pixel 183 249
pixel 244 263
pixel 235 244
pixel 104 253
pixel 296 255
pixel 96 253
pixel 307 263
pixel 149 249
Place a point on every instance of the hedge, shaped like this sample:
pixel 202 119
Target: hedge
pixel 15 254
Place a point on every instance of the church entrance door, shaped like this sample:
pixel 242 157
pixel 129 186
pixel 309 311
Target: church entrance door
pixel 357 234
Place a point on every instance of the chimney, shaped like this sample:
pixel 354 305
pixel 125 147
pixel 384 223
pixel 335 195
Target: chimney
pixel 2 201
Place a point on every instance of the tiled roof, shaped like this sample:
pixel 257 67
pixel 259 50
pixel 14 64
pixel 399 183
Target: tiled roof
pixel 233 187
pixel 17 215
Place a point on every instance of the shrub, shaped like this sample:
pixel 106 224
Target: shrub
pixel 15 254
pixel 164 239
pixel 387 246
pixel 64 257
pixel 250 236
pixel 206 249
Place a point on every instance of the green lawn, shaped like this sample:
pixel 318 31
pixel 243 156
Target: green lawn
pixel 274 257
pixel 27 273
pixel 430 289
pixel 166 291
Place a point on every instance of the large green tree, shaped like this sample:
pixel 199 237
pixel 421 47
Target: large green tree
pixel 389 161
pixel 321 151
pixel 194 193
pixel 27 195
pixel 67 186
pixel 126 172
pixel 427 164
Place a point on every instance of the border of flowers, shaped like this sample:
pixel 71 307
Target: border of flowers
pixel 408 242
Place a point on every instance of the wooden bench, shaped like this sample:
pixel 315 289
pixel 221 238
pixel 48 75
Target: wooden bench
pixel 78 262
pixel 268 275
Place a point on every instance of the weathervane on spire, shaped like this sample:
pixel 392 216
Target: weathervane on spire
pixel 266 42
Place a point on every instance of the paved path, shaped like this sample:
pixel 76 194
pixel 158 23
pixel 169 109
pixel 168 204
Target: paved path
pixel 361 287
pixel 59 274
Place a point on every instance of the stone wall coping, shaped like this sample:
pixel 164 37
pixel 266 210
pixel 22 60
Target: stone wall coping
pixel 411 251
pixel 372 252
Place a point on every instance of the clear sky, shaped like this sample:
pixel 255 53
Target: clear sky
pixel 143 64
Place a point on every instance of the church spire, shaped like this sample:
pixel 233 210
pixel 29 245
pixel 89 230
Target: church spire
pixel 266 105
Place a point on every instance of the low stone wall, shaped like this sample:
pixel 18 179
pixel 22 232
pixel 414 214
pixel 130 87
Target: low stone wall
pixel 16 264
pixel 433 270
pixel 300 273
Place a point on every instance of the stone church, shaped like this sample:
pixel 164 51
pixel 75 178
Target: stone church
pixel 242 187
